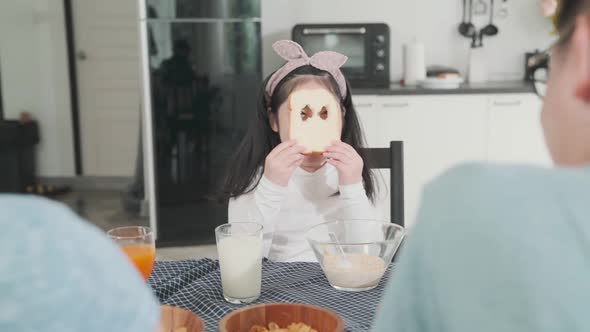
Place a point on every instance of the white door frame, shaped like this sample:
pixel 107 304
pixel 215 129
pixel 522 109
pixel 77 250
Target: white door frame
pixel 147 123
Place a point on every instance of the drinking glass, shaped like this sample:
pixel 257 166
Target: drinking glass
pixel 239 246
pixel 138 244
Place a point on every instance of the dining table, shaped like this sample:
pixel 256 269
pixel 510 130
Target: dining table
pixel 196 285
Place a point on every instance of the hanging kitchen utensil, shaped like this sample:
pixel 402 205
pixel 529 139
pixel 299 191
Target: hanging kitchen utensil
pixel 490 29
pixel 466 29
pixel 474 41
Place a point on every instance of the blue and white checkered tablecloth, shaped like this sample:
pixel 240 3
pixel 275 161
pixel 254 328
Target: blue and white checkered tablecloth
pixel 196 285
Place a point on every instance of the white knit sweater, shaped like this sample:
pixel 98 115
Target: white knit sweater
pixel 287 212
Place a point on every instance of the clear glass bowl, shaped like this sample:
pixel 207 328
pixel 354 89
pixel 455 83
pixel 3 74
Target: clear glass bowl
pixel 354 254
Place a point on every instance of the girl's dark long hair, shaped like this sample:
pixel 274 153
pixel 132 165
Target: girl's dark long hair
pixel 245 167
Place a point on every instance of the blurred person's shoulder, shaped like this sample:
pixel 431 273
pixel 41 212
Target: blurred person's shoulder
pixel 17 201
pixel 29 209
pixel 492 184
pixel 45 246
pixel 28 219
pixel 508 244
pixel 478 199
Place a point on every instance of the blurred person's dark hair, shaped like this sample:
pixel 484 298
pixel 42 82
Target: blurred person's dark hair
pixel 567 12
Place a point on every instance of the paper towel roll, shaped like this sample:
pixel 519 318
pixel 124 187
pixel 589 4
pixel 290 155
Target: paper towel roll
pixel 414 63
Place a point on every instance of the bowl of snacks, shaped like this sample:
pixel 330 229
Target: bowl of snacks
pixel 354 254
pixel 174 319
pixel 282 317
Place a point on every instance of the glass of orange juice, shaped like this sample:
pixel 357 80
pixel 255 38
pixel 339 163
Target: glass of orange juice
pixel 138 243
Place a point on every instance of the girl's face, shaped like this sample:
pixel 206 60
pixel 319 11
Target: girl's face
pixel 566 109
pixel 279 122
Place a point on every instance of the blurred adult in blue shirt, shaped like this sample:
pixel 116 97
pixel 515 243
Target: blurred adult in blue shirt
pixel 507 248
pixel 60 274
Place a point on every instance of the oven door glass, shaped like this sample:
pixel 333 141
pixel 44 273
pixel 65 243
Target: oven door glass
pixel 351 45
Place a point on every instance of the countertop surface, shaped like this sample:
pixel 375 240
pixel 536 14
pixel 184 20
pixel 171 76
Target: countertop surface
pixel 466 88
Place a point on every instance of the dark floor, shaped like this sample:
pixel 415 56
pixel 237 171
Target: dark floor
pixel 105 209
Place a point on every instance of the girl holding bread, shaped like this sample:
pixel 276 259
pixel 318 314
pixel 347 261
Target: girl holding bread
pixel 300 163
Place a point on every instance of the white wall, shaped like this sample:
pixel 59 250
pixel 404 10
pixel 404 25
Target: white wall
pixel 433 22
pixel 33 60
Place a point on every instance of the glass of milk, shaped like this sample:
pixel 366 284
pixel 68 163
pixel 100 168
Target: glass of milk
pixel 239 246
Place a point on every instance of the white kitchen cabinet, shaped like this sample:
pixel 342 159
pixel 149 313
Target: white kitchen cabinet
pixel 515 132
pixel 450 130
pixel 364 106
pixel 395 122
pixel 438 132
pixel 441 131
pixel 395 119
pixel 370 117
pixel 445 131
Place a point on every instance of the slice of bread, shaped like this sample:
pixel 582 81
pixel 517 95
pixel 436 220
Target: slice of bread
pixel 315 119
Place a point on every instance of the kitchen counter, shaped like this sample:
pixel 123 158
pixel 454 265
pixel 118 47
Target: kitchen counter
pixel 467 88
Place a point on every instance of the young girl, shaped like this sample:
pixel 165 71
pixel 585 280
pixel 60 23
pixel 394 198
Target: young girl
pixel 273 183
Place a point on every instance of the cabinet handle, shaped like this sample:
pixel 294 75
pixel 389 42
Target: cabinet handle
pixel 507 103
pixel 364 105
pixel 396 105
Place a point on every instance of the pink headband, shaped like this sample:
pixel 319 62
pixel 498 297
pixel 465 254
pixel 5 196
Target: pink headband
pixel 296 57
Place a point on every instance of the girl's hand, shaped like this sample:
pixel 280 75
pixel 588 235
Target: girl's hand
pixel 282 161
pixel 347 161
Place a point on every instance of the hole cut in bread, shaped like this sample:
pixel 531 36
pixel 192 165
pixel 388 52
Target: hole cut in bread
pixel 315 119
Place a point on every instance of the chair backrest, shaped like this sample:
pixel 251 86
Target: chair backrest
pixel 392 159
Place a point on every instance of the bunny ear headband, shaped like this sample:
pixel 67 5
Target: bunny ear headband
pixel 296 57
